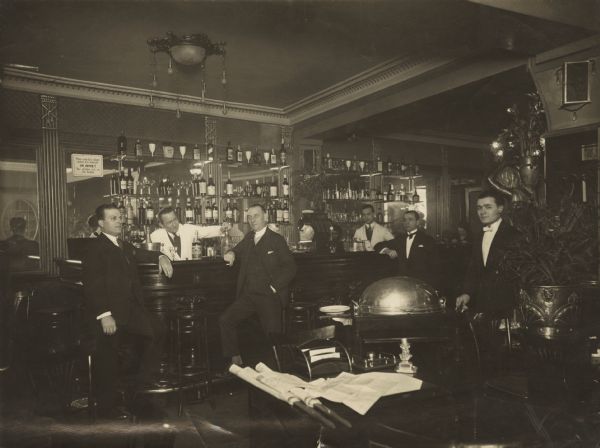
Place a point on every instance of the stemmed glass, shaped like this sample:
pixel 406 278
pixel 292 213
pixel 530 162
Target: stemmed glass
pixel 267 157
pixel 152 148
pixel 182 149
pixel 348 164
pixel 248 154
pixel 361 165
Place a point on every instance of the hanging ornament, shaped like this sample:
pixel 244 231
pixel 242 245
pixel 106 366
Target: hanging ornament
pixel 170 69
pixel 154 81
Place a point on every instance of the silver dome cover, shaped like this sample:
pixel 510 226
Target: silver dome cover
pixel 399 296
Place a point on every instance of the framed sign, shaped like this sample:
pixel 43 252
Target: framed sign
pixel 87 165
pixel 576 82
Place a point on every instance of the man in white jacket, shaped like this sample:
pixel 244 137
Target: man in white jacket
pixel 371 232
pixel 177 238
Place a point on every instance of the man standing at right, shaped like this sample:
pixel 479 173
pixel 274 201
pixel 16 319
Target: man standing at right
pixel 487 292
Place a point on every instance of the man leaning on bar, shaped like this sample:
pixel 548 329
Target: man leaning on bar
pixel 177 238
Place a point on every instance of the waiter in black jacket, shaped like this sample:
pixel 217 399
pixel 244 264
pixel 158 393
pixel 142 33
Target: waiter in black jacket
pixel 488 294
pixel 115 307
pixel 415 251
pixel 266 270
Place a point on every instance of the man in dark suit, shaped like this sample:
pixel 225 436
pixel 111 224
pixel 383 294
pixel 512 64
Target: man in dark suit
pixel 115 306
pixel 415 251
pixel 486 290
pixel 488 294
pixel 266 270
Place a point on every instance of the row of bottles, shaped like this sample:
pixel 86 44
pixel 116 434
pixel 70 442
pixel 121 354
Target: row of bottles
pixel 200 187
pixel 366 166
pixel 231 154
pixel 364 194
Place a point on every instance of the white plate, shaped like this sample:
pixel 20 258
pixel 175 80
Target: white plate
pixel 334 309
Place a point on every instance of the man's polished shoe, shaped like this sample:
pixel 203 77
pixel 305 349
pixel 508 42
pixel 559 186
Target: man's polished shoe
pixel 117 413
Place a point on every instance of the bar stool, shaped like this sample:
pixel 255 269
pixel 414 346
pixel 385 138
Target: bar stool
pixel 189 347
pixel 301 315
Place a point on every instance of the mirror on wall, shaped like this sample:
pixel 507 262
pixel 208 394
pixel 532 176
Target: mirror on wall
pixel 19 211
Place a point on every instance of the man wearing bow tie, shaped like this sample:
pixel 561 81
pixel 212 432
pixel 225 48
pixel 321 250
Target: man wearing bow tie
pixel 177 238
pixel 415 251
pixel 114 305
pixel 485 289
pixel 266 269
pixel 371 232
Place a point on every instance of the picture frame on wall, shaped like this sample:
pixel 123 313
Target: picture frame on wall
pixel 576 82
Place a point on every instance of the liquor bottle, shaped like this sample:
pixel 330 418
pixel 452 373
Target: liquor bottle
pixel 189 212
pixel 129 182
pixel 215 213
pixel 226 242
pixel 331 243
pixel 130 213
pixel 178 210
pixel 282 152
pixel 273 188
pixel 195 186
pixel 416 170
pixel 138 148
pixel 229 185
pixel 228 212
pixel 248 189
pixel 114 185
pixel 208 213
pixel 245 215
pixel 270 212
pixel 198 213
pixel 354 164
pixel 142 213
pixel 286 212
pixel 196 152
pixel 239 155
pixel 329 162
pixel 149 215
pixel 210 152
pixel 390 193
pixel 236 213
pixel 196 247
pixel 211 188
pixel 257 157
pixel 402 168
pixel 285 185
pixel 258 189
pixel 278 212
pixel 415 197
pixel 399 193
pixel 230 152
pixel 122 182
pixel 390 166
pixel 202 187
pixel 273 157
pixel 379 165
pixel 122 144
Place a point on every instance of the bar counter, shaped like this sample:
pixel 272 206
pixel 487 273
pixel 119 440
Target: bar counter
pixel 319 276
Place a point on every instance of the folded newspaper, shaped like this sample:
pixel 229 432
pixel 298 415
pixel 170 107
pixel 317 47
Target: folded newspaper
pixel 358 392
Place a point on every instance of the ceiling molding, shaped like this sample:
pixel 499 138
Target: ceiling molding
pixel 27 81
pixel 388 74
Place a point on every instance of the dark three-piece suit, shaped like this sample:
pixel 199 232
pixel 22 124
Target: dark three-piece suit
pixel 262 265
pixel 111 283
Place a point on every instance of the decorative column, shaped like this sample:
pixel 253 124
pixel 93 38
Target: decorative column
pixel 212 169
pixel 52 186
pixel 290 233
pixel 444 194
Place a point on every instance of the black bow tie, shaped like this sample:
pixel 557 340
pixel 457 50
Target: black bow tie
pixel 410 236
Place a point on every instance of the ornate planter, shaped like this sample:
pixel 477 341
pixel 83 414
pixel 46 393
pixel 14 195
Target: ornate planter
pixel 551 312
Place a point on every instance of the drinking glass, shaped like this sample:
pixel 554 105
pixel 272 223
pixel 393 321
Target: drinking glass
pixel 182 149
pixel 152 148
pixel 248 154
pixel 267 157
pixel 348 164
pixel 361 165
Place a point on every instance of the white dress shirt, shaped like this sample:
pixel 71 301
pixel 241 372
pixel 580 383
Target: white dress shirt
pixel 409 242
pixel 488 236
pixel 258 235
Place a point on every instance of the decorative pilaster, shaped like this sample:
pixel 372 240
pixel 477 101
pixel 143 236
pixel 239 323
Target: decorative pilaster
pixel 212 169
pixel 52 186
pixel 289 233
pixel 444 191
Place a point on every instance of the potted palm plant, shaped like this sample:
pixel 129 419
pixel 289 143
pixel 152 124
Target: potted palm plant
pixel 556 253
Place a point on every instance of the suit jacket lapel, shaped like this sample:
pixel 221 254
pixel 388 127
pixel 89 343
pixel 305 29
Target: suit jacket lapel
pixel 496 243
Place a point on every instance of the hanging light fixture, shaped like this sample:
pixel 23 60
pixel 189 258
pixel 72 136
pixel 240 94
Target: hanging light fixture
pixel 189 51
